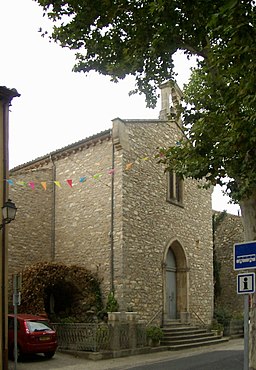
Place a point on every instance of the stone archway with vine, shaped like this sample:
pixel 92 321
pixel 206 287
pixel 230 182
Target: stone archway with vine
pixel 61 292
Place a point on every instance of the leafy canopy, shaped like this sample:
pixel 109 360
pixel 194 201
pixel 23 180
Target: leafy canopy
pixel 139 37
pixel 219 132
pixel 218 136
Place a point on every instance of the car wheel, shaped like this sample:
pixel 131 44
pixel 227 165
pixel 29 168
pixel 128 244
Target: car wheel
pixel 49 354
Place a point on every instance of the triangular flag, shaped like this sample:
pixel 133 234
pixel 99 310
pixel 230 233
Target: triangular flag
pixel 10 182
pixel 111 171
pixel 57 183
pixel 31 184
pixel 22 183
pixel 97 176
pixel 69 182
pixel 82 179
pixel 128 166
pixel 43 183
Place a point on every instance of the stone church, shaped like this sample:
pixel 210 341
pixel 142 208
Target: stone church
pixel 105 203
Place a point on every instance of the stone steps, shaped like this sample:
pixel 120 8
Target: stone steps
pixel 179 336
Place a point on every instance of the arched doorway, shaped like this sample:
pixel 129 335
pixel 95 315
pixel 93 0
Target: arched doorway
pixel 176 282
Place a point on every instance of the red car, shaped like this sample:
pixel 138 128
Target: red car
pixel 34 335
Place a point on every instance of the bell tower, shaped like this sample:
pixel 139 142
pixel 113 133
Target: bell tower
pixel 171 96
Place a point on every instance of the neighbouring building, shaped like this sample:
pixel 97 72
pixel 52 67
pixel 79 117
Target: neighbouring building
pixel 228 231
pixel 105 203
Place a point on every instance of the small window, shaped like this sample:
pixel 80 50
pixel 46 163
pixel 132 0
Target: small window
pixel 174 188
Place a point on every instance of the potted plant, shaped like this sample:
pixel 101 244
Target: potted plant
pixel 154 335
pixel 216 327
pixel 112 307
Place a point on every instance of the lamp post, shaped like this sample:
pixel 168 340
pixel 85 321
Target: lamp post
pixel 8 215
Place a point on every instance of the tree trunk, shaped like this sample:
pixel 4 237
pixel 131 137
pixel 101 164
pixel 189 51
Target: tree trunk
pixel 248 209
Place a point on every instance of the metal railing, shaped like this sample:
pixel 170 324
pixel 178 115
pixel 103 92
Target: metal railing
pixel 82 337
pixel 154 316
pixel 199 319
pixel 97 337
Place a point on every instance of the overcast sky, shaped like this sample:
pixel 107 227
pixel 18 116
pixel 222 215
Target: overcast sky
pixel 58 107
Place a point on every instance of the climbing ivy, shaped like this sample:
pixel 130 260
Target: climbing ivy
pixel 75 291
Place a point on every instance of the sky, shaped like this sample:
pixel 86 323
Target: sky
pixel 58 107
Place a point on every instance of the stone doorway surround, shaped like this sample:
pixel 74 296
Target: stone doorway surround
pixel 182 282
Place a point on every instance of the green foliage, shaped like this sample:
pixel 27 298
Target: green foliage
pixel 219 132
pixel 222 316
pixel 217 219
pixel 216 326
pixel 118 38
pixel 64 320
pixel 76 291
pixel 102 336
pixel 112 304
pixel 155 333
pixel 139 38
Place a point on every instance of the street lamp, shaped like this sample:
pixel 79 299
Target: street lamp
pixel 8 212
pixel 8 215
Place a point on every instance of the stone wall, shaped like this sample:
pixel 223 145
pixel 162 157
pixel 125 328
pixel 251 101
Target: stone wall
pixel 228 232
pixel 83 213
pixel 150 223
pixel 30 234
pixel 69 223
pixel 73 224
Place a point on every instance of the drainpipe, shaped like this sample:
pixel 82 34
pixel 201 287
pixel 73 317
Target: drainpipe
pixel 112 222
pixel 53 210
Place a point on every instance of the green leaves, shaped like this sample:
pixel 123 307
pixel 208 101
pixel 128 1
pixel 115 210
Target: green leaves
pixel 122 37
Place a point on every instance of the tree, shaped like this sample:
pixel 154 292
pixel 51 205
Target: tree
pixel 139 37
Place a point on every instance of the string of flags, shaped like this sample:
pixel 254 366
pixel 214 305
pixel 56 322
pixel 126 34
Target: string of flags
pixel 69 182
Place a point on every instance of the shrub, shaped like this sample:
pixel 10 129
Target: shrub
pixel 155 333
pixel 112 304
pixel 222 316
pixel 216 326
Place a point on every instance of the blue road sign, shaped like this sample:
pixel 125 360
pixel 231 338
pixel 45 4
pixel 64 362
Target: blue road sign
pixel 245 255
pixel 246 283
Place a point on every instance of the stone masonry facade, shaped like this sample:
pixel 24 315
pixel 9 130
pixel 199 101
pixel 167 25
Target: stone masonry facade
pixel 114 219
pixel 228 232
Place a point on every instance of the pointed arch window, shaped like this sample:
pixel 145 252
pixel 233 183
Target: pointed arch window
pixel 175 188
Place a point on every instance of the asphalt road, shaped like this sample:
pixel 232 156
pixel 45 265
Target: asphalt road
pixel 218 357
pixel 219 360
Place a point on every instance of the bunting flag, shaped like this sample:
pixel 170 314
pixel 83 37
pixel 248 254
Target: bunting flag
pixel 31 184
pixel 97 176
pixel 69 182
pixel 57 183
pixel 22 183
pixel 82 179
pixel 44 185
pixel 128 166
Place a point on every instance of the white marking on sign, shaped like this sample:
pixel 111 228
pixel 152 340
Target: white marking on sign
pixel 246 283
